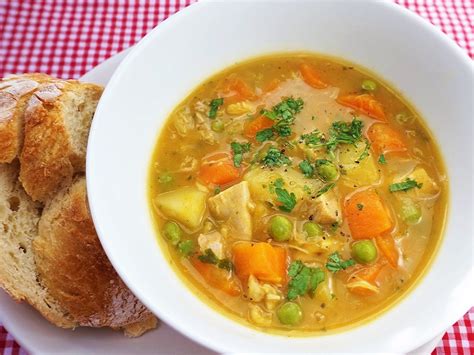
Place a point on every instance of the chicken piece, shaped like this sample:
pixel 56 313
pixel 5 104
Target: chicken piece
pixel 212 241
pixel 233 207
pixel 327 208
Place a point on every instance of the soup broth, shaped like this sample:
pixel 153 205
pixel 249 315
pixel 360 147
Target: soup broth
pixel 297 193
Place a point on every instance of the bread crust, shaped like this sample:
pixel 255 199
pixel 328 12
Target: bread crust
pixel 74 268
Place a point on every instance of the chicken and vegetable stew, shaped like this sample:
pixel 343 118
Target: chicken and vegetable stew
pixel 297 192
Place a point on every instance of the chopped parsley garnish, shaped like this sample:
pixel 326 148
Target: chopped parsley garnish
pixel 284 115
pixel 360 206
pixel 165 178
pixel 325 189
pixel 214 106
pixel 217 190
pixel 239 149
pixel 186 247
pixel 210 258
pixel 303 279
pixel 405 185
pixel 288 200
pixel 382 159
pixel 335 263
pixel 279 183
pixel 365 153
pixel 306 168
pixel 264 135
pixel 313 139
pixel 344 133
pixel 275 158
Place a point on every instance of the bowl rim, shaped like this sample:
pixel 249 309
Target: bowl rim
pixel 153 35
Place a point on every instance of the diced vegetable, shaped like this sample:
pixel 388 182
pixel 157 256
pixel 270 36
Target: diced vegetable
pixel 364 103
pixel 280 228
pixel 241 91
pixel 311 77
pixel 326 170
pixel 172 231
pixel 185 205
pixel 186 247
pixel 312 230
pixel 354 171
pixel 369 85
pixel 216 277
pixel 290 313
pixel 264 261
pixel 256 125
pixel 362 281
pixel 364 251
pixel 387 247
pixel 410 211
pixel 385 139
pixel 428 185
pixel 239 108
pixel 219 172
pixel 371 220
pixel 326 208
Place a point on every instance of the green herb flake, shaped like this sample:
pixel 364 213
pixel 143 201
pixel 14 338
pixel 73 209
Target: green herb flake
pixel 382 159
pixel 264 135
pixel 217 190
pixel 325 189
pixel 314 139
pixel 303 279
pixel 283 114
pixel 365 153
pixel 335 263
pixel 225 264
pixel 288 200
pixel 360 206
pixel 344 133
pixel 186 247
pixel 239 149
pixel 306 168
pixel 214 106
pixel 405 185
pixel 165 178
pixel 208 257
pixel 275 158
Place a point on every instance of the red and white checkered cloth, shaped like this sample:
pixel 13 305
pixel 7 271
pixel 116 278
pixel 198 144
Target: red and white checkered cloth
pixel 66 38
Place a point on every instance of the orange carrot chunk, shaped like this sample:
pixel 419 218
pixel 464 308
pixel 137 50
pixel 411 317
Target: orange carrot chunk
pixel 311 77
pixel 364 103
pixel 256 125
pixel 272 85
pixel 366 215
pixel 362 281
pixel 218 169
pixel 238 89
pixel 262 260
pixel 217 278
pixel 385 139
pixel 386 245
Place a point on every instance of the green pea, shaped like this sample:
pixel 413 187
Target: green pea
pixel 326 170
pixel 312 230
pixel 364 251
pixel 280 228
pixel 290 313
pixel 369 85
pixel 411 212
pixel 217 125
pixel 172 231
pixel 186 247
pixel 165 178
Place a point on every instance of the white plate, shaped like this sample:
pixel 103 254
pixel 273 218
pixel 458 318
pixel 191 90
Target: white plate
pixel 38 336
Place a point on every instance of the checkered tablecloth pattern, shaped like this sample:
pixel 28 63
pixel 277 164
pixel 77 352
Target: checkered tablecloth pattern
pixel 66 38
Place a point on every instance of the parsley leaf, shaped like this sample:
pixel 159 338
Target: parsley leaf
pixel 360 206
pixel 283 114
pixel 306 168
pixel 344 133
pixel 287 199
pixel 303 280
pixel 405 185
pixel 313 139
pixel 365 153
pixel 279 183
pixel 239 149
pixel 264 135
pixel 275 158
pixel 335 263
pixel 214 106
pixel 325 189
pixel 210 258
pixel 382 159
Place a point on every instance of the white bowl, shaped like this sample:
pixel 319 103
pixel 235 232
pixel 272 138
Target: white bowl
pixel 183 51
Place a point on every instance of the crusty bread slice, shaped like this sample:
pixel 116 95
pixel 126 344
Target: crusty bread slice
pixel 74 268
pixel 19 217
pixel 57 121
pixel 15 91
